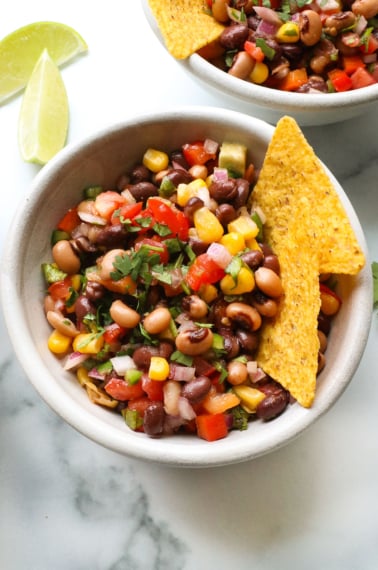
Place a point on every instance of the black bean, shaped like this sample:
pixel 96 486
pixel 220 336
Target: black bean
pixel 242 193
pixel 233 36
pixel 178 158
pixel 179 176
pixel 139 173
pixel 194 203
pixel 112 236
pixel 143 190
pixel 248 341
pixel 271 262
pixel 198 246
pixel 153 419
pixel 275 402
pixel 230 342
pixel 195 390
pixel 142 356
pixel 253 258
pixel 225 214
pixel 94 291
pixel 223 191
pixel 83 307
pixel 324 323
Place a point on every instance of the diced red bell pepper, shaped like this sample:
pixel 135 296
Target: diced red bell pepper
pixel 340 80
pixel 119 389
pixel 370 46
pixel 294 79
pixel 325 289
pixel 351 63
pixel 254 51
pixel 196 153
pixel 212 427
pixel 69 221
pixel 203 271
pixel 361 78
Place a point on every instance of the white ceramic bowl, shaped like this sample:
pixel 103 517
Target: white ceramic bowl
pixel 270 104
pixel 99 159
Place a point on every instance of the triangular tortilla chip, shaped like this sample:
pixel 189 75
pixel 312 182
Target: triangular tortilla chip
pixel 308 228
pixel 185 25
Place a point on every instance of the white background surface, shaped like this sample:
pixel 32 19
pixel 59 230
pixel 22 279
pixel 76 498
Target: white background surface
pixel 66 503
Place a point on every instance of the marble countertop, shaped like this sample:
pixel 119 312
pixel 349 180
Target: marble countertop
pixel 68 504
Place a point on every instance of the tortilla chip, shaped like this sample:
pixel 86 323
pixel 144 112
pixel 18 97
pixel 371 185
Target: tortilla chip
pixel 185 25
pixel 309 230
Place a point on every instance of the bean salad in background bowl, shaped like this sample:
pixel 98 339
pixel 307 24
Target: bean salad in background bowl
pixel 316 61
pixel 120 300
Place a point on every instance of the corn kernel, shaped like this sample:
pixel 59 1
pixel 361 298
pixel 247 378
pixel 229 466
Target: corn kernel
pixel 187 191
pixel 88 343
pixel 155 160
pixel 249 397
pixel 234 242
pixel 58 343
pixel 252 244
pixel 245 226
pixel 159 368
pixel 209 228
pixel 208 292
pixel 259 73
pixel 76 282
pixel 245 283
pixel 288 33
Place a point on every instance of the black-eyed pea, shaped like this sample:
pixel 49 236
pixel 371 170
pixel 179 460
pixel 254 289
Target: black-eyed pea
pixel 124 315
pixel 244 316
pixel 310 26
pixel 157 321
pixel 195 306
pixel 237 372
pixel 61 323
pixel 194 341
pixel 366 8
pixel 219 10
pixel 107 262
pixel 242 65
pixel 266 307
pixel 268 282
pixel 65 258
pixel 199 171
pixel 323 341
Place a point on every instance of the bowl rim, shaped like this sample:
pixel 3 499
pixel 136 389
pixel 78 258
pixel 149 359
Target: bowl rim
pixel 84 421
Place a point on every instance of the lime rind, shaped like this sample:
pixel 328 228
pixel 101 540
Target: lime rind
pixel 20 50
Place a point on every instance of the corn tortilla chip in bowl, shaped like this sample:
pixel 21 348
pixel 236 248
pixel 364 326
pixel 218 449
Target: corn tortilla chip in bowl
pixel 187 30
pixel 99 160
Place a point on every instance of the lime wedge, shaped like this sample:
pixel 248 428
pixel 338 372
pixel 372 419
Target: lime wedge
pixel 20 50
pixel 44 115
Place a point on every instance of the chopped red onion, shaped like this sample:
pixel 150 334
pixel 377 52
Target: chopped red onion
pixel 75 359
pixel 255 373
pixel 220 254
pixel 128 196
pixel 370 57
pixel 122 363
pixel 185 409
pixel 210 146
pixel 220 174
pixel 92 219
pixel 181 373
pixel 266 29
pixel 96 375
pixel 361 24
pixel 268 15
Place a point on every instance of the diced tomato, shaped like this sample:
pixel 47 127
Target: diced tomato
pixel 211 427
pixel 203 367
pixel 196 153
pixel 153 388
pixel 254 51
pixel 170 216
pixel 113 333
pixel 126 212
pixel 61 290
pixel 370 46
pixel 120 390
pixel 69 221
pixel 139 405
pixel 106 202
pixel 273 4
pixel 145 220
pixel 153 243
pixel 361 78
pixel 340 80
pixel 203 271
